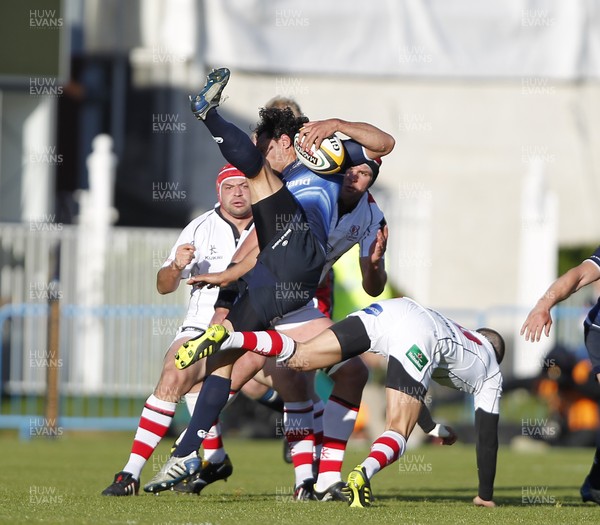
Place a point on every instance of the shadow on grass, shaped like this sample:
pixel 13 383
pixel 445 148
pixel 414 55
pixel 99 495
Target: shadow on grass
pixel 505 496
pixel 548 495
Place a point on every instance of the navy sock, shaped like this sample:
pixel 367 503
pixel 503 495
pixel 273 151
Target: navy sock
pixel 211 400
pixel 235 145
pixel 595 471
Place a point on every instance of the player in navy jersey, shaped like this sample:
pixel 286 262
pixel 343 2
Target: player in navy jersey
pixel 539 321
pixel 292 209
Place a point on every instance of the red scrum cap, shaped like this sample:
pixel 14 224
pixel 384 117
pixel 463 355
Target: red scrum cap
pixel 227 172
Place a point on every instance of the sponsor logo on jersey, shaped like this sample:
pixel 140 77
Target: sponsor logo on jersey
pixel 213 249
pixel 299 182
pixel 282 240
pixel 374 309
pixel 218 140
pixel 417 357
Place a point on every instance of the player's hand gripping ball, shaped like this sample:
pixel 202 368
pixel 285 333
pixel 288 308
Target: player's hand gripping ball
pixel 328 159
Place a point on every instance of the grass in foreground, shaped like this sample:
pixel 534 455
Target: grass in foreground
pixel 60 481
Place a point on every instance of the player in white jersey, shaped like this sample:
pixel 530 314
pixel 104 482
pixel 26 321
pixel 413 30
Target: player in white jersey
pixel 420 345
pixel 207 244
pixel 211 239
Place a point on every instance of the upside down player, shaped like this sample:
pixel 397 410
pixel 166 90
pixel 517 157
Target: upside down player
pixel 292 225
pixel 420 344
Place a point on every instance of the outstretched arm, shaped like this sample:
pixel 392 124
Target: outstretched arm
pixel 243 261
pixel 376 142
pixel 539 319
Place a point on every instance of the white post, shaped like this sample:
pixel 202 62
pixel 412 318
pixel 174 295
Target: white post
pixel 40 158
pixel 537 263
pixel 95 219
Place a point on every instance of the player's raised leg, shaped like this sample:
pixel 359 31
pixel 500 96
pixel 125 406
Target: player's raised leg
pixel 235 145
pixel 210 95
pixel 321 351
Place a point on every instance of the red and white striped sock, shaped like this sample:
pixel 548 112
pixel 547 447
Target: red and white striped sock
pixel 269 343
pixel 213 445
pixel 386 449
pixel 154 423
pixel 338 423
pixel 318 409
pixel 298 427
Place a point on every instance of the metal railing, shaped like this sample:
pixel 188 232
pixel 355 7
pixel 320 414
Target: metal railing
pixel 110 350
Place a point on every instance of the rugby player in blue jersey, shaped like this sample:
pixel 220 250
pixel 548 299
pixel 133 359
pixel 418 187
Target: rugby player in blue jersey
pixel 292 209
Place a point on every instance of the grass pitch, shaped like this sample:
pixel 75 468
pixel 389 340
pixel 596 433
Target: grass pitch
pixel 60 481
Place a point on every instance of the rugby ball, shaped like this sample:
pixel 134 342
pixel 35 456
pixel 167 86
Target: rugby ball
pixel 328 159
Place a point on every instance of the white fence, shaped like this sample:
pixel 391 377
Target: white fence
pixel 136 323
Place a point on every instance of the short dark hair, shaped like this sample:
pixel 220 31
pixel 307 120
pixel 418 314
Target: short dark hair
pixel 496 340
pixel 275 122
